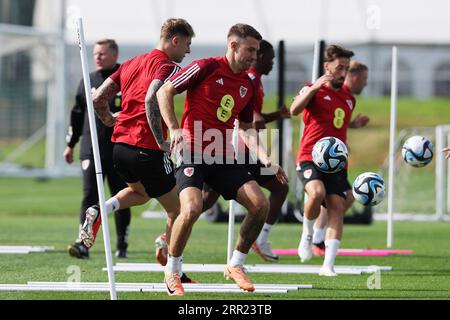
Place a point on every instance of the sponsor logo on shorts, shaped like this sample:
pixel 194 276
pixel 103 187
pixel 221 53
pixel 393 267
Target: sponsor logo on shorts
pixel 188 171
pixel 307 174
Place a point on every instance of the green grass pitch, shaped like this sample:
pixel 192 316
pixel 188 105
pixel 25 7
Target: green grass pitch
pixel 46 213
pixel 34 212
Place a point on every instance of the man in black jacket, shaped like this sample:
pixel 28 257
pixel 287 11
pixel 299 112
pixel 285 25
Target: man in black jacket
pixel 105 56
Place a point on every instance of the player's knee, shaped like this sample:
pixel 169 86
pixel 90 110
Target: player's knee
pixel 261 208
pixel 283 190
pixel 337 210
pixel 173 213
pixel 209 199
pixel 191 211
pixel 316 195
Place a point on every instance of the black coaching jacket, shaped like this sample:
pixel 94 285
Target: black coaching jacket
pixel 79 121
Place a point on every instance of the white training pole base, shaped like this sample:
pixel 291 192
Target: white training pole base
pixel 146 287
pixel 24 249
pixel 257 268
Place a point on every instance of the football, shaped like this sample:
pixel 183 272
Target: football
pixel 369 189
pixel 330 154
pixel 417 151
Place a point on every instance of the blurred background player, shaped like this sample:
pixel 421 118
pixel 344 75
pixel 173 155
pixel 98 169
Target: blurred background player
pixel 326 107
pixel 106 53
pixel 218 91
pixel 355 81
pixel 278 191
pixel 140 150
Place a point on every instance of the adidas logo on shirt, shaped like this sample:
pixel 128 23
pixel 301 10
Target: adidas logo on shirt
pixel 220 81
pixel 327 98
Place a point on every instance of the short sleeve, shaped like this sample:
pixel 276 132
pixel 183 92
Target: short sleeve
pixel 259 97
pixel 116 75
pixel 192 74
pixel 303 89
pixel 166 71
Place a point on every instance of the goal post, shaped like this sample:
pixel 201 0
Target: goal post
pixel 33 102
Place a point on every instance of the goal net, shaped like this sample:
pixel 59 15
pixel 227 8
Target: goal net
pixel 32 102
pixel 421 194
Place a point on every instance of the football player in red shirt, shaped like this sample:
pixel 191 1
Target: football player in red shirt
pixel 219 91
pixel 326 106
pixel 355 81
pixel 140 152
pixel 278 191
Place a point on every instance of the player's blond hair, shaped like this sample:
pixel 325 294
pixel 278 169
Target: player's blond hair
pixel 357 67
pixel 176 26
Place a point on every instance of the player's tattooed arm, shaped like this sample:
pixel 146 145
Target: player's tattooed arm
pixel 154 115
pixel 101 97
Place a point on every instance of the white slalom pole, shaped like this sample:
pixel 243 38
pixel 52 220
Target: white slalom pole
pixel 390 221
pixel 314 76
pixel 316 58
pixel 98 165
pixel 233 203
pixel 440 171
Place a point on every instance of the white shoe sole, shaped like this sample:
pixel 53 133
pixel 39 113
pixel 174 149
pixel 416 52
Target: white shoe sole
pixel 87 233
pixel 327 273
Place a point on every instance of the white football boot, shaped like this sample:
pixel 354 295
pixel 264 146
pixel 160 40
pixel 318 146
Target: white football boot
pixel 305 248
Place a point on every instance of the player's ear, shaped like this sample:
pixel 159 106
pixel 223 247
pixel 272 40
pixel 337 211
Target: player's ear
pixel 234 44
pixel 326 67
pixel 175 40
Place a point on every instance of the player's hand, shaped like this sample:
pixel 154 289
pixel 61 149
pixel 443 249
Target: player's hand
pixel 258 121
pixel 275 169
pixel 68 155
pixel 116 116
pixel 109 119
pixel 359 121
pixel 164 146
pixel 284 112
pixel 279 173
pixel 446 149
pixel 176 140
pixel 321 81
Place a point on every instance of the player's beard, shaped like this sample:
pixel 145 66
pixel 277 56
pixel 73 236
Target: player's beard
pixel 335 83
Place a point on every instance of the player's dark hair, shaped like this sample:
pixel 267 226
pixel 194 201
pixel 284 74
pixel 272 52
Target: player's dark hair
pixel 173 27
pixel 357 67
pixel 334 52
pixel 264 46
pixel 110 42
pixel 243 31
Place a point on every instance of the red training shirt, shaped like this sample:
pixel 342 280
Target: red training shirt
pixel 216 97
pixel 134 78
pixel 328 114
pixel 259 89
